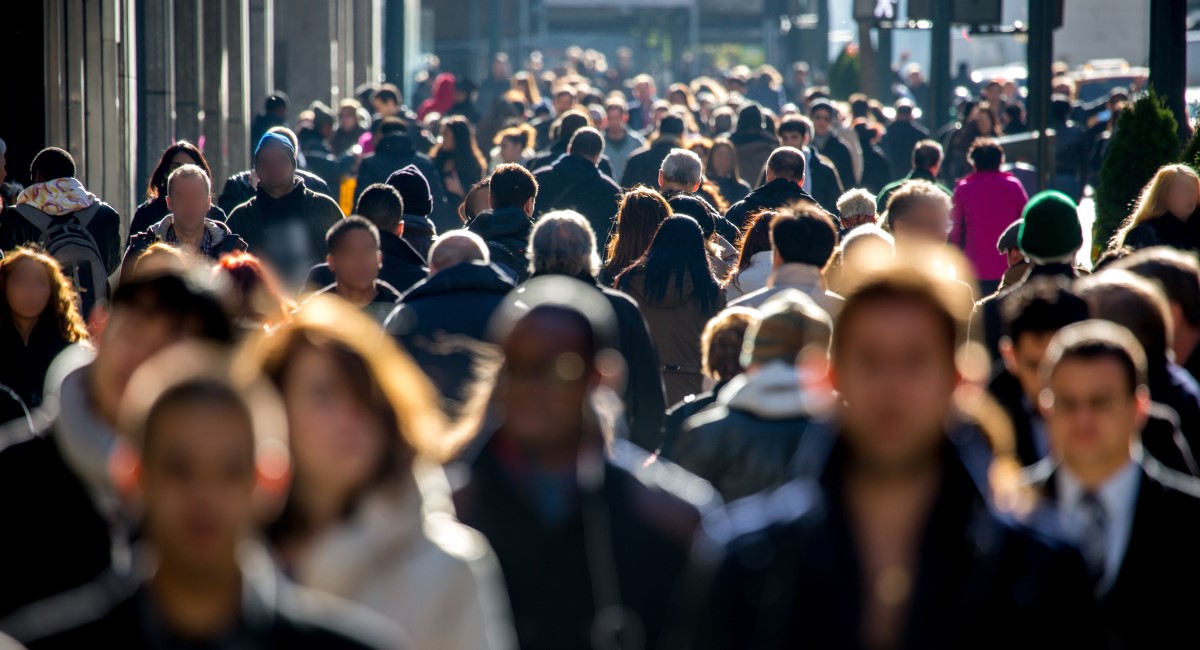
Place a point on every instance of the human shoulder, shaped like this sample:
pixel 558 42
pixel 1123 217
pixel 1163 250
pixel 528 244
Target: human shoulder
pixel 658 475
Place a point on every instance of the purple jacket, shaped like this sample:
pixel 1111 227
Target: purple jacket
pixel 985 203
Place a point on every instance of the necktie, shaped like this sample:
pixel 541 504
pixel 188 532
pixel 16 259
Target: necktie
pixel 1094 540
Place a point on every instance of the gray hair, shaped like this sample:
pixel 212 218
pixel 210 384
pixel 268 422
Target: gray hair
pixel 682 167
pixel 856 202
pixel 563 242
pixel 456 247
pixel 188 171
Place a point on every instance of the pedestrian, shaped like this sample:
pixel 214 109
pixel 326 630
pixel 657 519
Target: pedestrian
pixel 1162 216
pixel 155 208
pixel 674 287
pixel 418 203
pixel 876 170
pixel 591 535
pixel 1070 149
pixel 257 301
pixel 752 141
pixel 349 128
pixel 985 203
pixel 824 116
pixel 562 243
pixel 188 226
pixel 285 223
pixel 620 141
pixel 75 526
pixel 639 214
pixel 39 317
pixel 513 145
pixel 355 258
pixel 457 159
pixel 1178 274
pixel 856 207
pixel 243 186
pixel 1009 246
pixel 755 256
pixel 918 212
pixel 820 178
pixel 643 164
pixel 274 113
pixel 506 226
pixel 721 168
pixel 396 149
pixel 403 266
pixel 926 160
pixel 368 517
pixel 60 215
pixel 442 321
pixel 1136 522
pixel 574 182
pixel 901 139
pixel 802 241
pixel 204 447
pixel 786 171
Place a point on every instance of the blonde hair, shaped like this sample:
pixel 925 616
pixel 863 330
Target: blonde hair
pixel 1152 203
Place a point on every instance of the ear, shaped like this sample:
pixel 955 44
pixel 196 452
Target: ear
pixel 529 206
pixel 97 324
pixel 661 180
pixel 169 206
pixel 329 261
pixel 125 471
pixel 1009 354
pixel 273 478
pixel 379 256
pixel 399 229
pixel 1142 406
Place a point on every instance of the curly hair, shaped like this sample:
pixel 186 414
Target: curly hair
pixel 63 306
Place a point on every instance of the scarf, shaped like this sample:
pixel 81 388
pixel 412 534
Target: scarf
pixel 57 197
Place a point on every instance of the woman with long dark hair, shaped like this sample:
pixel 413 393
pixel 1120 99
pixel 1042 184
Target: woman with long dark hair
pixel 638 217
pixel 458 158
pixel 369 515
pixel 754 257
pixel 39 316
pixel 721 167
pixel 155 208
pixel 674 287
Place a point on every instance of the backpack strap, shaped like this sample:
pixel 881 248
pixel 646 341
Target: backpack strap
pixel 39 219
pixel 84 217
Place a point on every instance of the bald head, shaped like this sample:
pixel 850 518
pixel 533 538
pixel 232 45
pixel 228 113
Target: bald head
pixel 456 247
pixel 787 163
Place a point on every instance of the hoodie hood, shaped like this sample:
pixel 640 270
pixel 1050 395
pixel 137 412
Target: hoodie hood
pixel 57 197
pixel 395 144
pixel 771 393
pixel 217 230
pixel 443 96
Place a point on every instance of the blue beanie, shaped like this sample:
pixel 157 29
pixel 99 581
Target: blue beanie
pixel 271 139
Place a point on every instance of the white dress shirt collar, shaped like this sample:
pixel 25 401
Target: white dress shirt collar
pixel 1118 495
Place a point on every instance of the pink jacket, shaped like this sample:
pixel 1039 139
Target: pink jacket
pixel 985 203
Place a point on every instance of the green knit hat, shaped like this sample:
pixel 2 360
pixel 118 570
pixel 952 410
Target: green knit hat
pixel 1050 229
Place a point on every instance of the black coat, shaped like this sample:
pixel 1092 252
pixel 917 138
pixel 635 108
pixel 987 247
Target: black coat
pixel 574 183
pixel 776 194
pixel 154 210
pixel 633 530
pixel 506 231
pixel 403 266
pixel 23 366
pixel 837 152
pixel 732 189
pixel 105 228
pixel 556 152
pixel 1166 230
pixel 684 409
pixel 442 322
pixel 1154 599
pixel 297 222
pixel 237 190
pixel 789 571
pixel 827 187
pixel 898 143
pixel 643 164
pixel 395 152
pixel 989 306
pixel 228 242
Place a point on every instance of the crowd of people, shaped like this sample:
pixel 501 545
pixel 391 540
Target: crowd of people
pixel 742 367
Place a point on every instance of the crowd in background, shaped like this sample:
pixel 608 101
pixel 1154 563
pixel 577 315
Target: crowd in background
pixel 558 361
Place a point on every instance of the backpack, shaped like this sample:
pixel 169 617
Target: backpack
pixel 512 262
pixel 68 241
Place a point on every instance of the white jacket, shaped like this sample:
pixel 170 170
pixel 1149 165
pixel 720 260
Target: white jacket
pixel 752 278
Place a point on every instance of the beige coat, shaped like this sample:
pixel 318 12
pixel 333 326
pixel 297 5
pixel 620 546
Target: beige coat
pixel 405 555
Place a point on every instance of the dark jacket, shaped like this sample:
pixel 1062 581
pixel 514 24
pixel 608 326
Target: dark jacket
pixel 397 151
pixel 121 612
pixel 877 171
pixel 385 301
pixel 789 571
pixel 1172 386
pixel 723 227
pixel 223 240
pixel 913 175
pixel 506 231
pixel 574 183
pixel 643 164
pixel 643 396
pixel 837 152
pixel 442 322
pixel 753 148
pixel 776 194
pixel 1153 601
pixel 287 232
pixel 105 228
pixel 153 211
pixel 24 365
pixel 556 152
pixel 684 409
pixel 403 266
pixel 989 306
pixel 732 189
pixel 827 187
pixel 237 190
pixel 632 531
pixel 898 143
pixel 1166 230
pixel 65 540
pixel 1162 437
pixel 743 444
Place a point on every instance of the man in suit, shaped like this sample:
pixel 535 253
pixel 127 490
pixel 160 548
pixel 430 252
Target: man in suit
pixel 1137 523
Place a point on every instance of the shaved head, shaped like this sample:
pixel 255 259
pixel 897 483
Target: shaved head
pixel 457 247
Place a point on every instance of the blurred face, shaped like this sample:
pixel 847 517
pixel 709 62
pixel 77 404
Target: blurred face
pixel 348 119
pixel 722 162
pixel 563 102
pixel 822 122
pixel 337 442
pixel 180 159
pixel 926 220
pixel 510 150
pixel 189 201
pixel 791 139
pixel 275 169
pixel 131 336
pixel 1091 415
pixel 984 121
pixel 643 91
pixel 545 383
pixel 896 374
pixel 615 116
pixel 447 137
pixel 385 108
pixel 356 261
pixel 856 220
pixel 197 485
pixel 1181 196
pixel 27 289
pixel 1023 359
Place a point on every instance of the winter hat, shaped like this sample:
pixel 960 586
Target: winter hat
pixel 1050 230
pixel 275 140
pixel 413 189
pixel 1008 239
pixel 790 322
pixel 750 118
